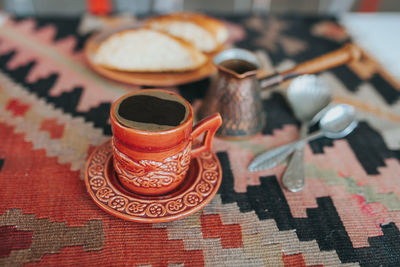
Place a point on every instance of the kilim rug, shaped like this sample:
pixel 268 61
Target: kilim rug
pixel 54 111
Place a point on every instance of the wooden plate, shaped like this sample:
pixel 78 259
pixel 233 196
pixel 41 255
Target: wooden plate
pixel 144 78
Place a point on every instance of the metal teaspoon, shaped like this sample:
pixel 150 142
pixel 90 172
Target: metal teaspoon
pixel 307 95
pixel 337 122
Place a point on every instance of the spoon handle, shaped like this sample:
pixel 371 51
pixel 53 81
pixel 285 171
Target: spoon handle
pixel 276 156
pixel 293 177
pixel 271 158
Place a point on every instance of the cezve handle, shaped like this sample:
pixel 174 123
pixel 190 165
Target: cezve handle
pixel 209 125
pixel 346 54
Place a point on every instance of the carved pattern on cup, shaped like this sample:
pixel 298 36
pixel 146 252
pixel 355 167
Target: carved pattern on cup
pixel 150 173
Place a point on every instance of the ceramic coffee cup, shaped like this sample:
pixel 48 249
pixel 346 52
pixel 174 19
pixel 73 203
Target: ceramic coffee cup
pixel 153 138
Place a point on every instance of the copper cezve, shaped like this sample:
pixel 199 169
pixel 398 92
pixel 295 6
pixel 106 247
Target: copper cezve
pixel 235 93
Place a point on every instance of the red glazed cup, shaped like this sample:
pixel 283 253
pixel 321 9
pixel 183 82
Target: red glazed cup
pixel 152 161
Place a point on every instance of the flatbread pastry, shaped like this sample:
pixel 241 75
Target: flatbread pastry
pixel 204 32
pixel 147 50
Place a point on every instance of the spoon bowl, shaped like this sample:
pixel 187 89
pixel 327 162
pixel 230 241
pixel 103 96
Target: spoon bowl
pixel 307 95
pixel 338 121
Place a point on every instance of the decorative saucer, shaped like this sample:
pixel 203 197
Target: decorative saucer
pixel 201 184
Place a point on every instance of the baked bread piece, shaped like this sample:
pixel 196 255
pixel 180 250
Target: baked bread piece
pixel 204 32
pixel 147 50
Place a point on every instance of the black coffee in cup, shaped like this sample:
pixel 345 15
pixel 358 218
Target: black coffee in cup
pixel 151 111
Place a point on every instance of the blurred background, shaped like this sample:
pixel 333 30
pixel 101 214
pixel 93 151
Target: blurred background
pixel 223 7
pixel 371 23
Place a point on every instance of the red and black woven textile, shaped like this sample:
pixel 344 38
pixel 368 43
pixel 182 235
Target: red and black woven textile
pixel 54 111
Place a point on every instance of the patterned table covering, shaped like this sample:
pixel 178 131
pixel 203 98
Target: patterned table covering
pixel 54 111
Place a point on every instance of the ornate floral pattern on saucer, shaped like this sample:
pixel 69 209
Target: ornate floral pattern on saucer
pixel 202 182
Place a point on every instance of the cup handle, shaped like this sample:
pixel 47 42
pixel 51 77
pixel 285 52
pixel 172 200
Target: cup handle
pixel 209 125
